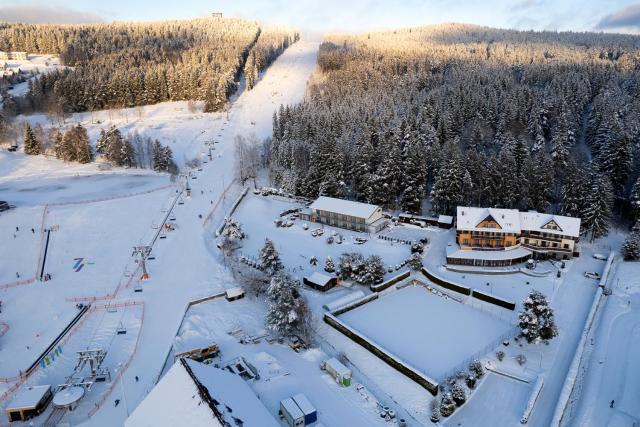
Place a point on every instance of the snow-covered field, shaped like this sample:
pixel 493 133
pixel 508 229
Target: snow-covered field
pixel 431 333
pixel 34 64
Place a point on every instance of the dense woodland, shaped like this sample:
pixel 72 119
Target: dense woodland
pixel 461 114
pixel 128 64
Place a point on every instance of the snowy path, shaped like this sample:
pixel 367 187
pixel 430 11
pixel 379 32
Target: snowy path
pixel 614 367
pixel 185 267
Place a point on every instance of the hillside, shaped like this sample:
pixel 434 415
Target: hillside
pixel 461 114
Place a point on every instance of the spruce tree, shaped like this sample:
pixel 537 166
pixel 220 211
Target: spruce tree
pixel 329 265
pixel 82 147
pixel 31 144
pixel 282 296
pixel 634 200
pixel 536 320
pixel 597 211
pixel 631 246
pixel 270 258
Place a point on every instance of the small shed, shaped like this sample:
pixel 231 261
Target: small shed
pixel 233 294
pixel 343 300
pixel 292 414
pixel 309 411
pixel 29 402
pixel 321 282
pixel 445 221
pixel 338 371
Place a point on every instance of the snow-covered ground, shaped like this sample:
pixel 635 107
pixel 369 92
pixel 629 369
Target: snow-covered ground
pixel 430 332
pixel 296 245
pixel 36 64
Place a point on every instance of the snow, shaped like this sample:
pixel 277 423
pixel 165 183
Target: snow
pixel 408 323
pixel 174 401
pixel 35 64
pixel 513 221
pixel 515 253
pixel 468 218
pixel 234 292
pixel 344 207
pixel 29 397
pixel 343 300
pixel 319 278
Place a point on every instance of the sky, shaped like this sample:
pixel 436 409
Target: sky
pixel 347 15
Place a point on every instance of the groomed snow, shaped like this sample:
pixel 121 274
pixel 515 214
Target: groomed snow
pixel 432 333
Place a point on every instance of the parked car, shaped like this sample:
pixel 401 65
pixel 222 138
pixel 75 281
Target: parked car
pixel 601 257
pixel 305 226
pixel 360 240
pixel 591 275
pixel 288 224
pixel 330 239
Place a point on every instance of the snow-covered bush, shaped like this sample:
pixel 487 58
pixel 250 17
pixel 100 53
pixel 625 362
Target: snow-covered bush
pixel 521 359
pixel 369 271
pixel 270 258
pixel 329 266
pixel 458 394
pixel 536 319
pixel 471 381
pixel 447 405
pixel 476 368
pixel 435 410
pixel 500 355
pixel 415 262
pixel 233 230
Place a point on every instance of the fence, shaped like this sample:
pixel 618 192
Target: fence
pixel 384 285
pixel 220 199
pixel 232 210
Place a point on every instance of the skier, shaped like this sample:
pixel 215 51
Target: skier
pixel 117 402
pixel 136 378
pixel 611 404
pixel 33 231
pixel 17 275
pixel 17 228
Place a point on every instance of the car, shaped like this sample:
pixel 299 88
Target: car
pixel 305 226
pixel 4 206
pixel 288 223
pixel 278 222
pixel 319 231
pixel 591 275
pixel 330 239
pixel 360 240
pixel 199 169
pixel 601 257
pixel 314 233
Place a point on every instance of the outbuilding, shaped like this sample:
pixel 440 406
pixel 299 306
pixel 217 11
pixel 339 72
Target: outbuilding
pixel 338 371
pixel 235 293
pixel 309 411
pixel 291 413
pixel 29 402
pixel 321 282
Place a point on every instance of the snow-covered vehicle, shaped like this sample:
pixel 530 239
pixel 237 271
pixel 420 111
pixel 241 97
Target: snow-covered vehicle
pixel 288 224
pixel 305 226
pixel 277 222
pixel 591 275
pixel 330 239
pixel 360 240
pixel 601 257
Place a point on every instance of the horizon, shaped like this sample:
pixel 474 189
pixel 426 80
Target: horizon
pixel 618 16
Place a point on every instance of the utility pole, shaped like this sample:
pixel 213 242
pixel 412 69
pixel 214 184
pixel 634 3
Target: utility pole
pixel 143 252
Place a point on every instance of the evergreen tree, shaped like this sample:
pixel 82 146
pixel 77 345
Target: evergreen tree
pixel 458 394
pixel 270 258
pixel 597 211
pixel 31 144
pixel 282 296
pixel 414 177
pixel 82 147
pixel 631 245
pixel 329 266
pixel 536 320
pixel 634 199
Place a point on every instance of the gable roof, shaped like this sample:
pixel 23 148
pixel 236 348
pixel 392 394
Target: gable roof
pixel 344 207
pixel 195 394
pixel 535 221
pixel 468 218
pixel 319 278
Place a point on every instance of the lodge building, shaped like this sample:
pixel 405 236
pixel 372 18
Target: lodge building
pixel 499 237
pixel 345 214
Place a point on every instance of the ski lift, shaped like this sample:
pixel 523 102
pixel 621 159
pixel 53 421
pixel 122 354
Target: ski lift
pixel 121 330
pixel 137 288
pixel 163 237
pixel 111 309
pixel 151 257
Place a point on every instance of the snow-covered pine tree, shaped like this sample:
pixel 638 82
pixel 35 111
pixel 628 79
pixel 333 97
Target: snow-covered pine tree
pixel 101 143
pixel 82 147
pixel 435 410
pixel 329 266
pixel 414 170
pixel 270 258
pixel 536 320
pixel 631 246
pixel 597 211
pixel 634 199
pixel 31 144
pixel 372 271
pixel 282 295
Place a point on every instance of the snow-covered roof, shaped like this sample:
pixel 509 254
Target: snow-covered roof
pixel 303 403
pixel 343 300
pixel 177 400
pixel 338 366
pixel 319 278
pixel 234 292
pixel 534 221
pixel 29 397
pixel 445 219
pixel 468 218
pixel 515 253
pixel 344 207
